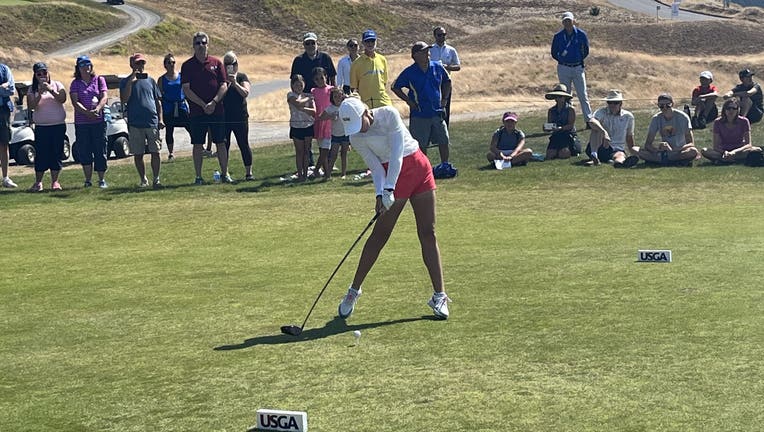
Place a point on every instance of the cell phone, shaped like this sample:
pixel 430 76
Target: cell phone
pixel 141 75
pixel 229 69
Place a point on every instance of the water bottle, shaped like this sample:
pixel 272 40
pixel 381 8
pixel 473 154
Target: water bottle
pixel 216 176
pixel 107 114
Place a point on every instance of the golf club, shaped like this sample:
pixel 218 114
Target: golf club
pixel 294 330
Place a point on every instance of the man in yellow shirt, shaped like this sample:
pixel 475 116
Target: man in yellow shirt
pixel 368 73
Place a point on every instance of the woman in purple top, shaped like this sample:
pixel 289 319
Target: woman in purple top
pixel 732 136
pixel 88 95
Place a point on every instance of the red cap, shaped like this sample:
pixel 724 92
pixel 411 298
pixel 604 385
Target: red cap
pixel 138 57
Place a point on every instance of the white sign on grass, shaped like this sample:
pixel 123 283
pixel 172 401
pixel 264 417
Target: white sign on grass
pixel 283 421
pixel 654 255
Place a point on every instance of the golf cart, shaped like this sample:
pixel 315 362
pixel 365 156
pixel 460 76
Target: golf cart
pixel 116 125
pixel 22 148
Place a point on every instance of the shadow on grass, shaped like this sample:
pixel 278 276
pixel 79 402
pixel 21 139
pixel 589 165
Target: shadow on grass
pixel 334 327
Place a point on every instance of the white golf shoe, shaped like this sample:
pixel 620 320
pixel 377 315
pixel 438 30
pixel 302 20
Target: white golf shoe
pixel 439 304
pixel 8 183
pixel 348 303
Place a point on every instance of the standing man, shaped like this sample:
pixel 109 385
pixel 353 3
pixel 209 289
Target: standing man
pixel 141 94
pixel 448 57
pixel 570 46
pixel 368 74
pixel 343 66
pixel 612 136
pixel 7 89
pixel 751 98
pixel 204 83
pixel 304 63
pixel 677 144
pixel 428 87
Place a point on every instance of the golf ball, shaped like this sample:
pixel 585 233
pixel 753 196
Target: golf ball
pixel 357 333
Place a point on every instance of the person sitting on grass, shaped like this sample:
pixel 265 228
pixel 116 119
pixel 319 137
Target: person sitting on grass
pixel 676 145
pixel 750 96
pixel 562 119
pixel 612 134
pixel 508 143
pixel 732 136
pixel 704 100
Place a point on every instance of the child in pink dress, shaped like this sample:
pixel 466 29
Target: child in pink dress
pixel 322 128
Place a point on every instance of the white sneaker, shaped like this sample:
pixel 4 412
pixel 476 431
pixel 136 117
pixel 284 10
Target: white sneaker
pixel 439 304
pixel 8 183
pixel 348 303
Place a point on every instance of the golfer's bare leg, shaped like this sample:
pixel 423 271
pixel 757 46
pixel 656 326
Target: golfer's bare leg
pixel 376 241
pixel 424 213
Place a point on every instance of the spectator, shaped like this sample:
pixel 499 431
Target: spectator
pixel 448 57
pixel 301 118
pixel 88 95
pixel 428 87
pixel 174 105
pixel 508 143
pixel 46 101
pixel 236 112
pixel 732 136
pixel 561 119
pixel 368 73
pixel 322 127
pixel 570 47
pixel 343 66
pixel 204 84
pixel 7 89
pixel 704 100
pixel 676 145
pixel 140 93
pixel 401 174
pixel 750 96
pixel 304 63
pixel 612 134
pixel 340 141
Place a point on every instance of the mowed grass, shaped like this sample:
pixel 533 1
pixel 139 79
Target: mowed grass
pixel 128 310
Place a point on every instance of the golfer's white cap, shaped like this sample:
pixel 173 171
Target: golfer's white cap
pixel 351 111
pixel 568 16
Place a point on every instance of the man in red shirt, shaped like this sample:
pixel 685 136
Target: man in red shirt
pixel 204 83
pixel 704 100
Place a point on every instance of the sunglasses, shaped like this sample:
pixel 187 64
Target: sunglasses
pixel 309 43
pixel 41 73
pixel 614 102
pixel 664 105
pixel 200 43
pixel 353 46
pixel 732 108
pixel 440 34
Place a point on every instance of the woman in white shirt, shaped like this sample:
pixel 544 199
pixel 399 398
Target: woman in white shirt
pixel 401 173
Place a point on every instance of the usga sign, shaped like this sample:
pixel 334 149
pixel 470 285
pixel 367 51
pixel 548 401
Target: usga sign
pixel 654 256
pixel 275 420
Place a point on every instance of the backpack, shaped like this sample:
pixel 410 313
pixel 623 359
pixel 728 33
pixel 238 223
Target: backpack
pixel 444 170
pixel 754 159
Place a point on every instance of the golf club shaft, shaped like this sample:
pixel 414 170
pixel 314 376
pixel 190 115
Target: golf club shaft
pixel 371 222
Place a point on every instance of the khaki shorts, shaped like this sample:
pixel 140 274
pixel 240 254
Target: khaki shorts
pixel 144 140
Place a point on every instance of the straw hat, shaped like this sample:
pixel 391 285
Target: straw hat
pixel 614 96
pixel 558 90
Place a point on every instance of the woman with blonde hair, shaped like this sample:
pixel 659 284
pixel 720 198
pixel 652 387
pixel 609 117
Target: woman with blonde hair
pixel 236 113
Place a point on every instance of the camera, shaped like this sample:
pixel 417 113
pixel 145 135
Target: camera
pixel 141 75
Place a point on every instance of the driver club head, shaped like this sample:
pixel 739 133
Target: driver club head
pixel 291 330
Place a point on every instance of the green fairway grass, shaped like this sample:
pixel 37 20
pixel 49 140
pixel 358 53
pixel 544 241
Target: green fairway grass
pixel 142 310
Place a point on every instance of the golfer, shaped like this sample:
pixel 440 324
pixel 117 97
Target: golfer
pixel 401 173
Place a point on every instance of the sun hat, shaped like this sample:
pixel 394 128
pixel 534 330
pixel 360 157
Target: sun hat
pixel 558 90
pixel 509 115
pixel 568 16
pixel 83 60
pixel 309 36
pixel 351 111
pixel 39 66
pixel 614 96
pixel 745 73
pixel 707 75
pixel 369 35
pixel 419 46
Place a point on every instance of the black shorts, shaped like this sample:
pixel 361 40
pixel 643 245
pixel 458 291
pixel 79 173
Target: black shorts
pixel 5 125
pixel 201 124
pixel 754 114
pixel 561 140
pixel 603 153
pixel 301 133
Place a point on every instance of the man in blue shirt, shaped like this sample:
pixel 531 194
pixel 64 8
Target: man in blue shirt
pixel 7 89
pixel 429 87
pixel 570 46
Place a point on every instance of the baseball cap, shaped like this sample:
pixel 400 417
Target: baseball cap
pixel 138 57
pixel 745 73
pixel 419 46
pixel 369 35
pixel 39 66
pixel 707 75
pixel 568 16
pixel 309 36
pixel 509 116
pixel 83 60
pixel 666 97
pixel 350 114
